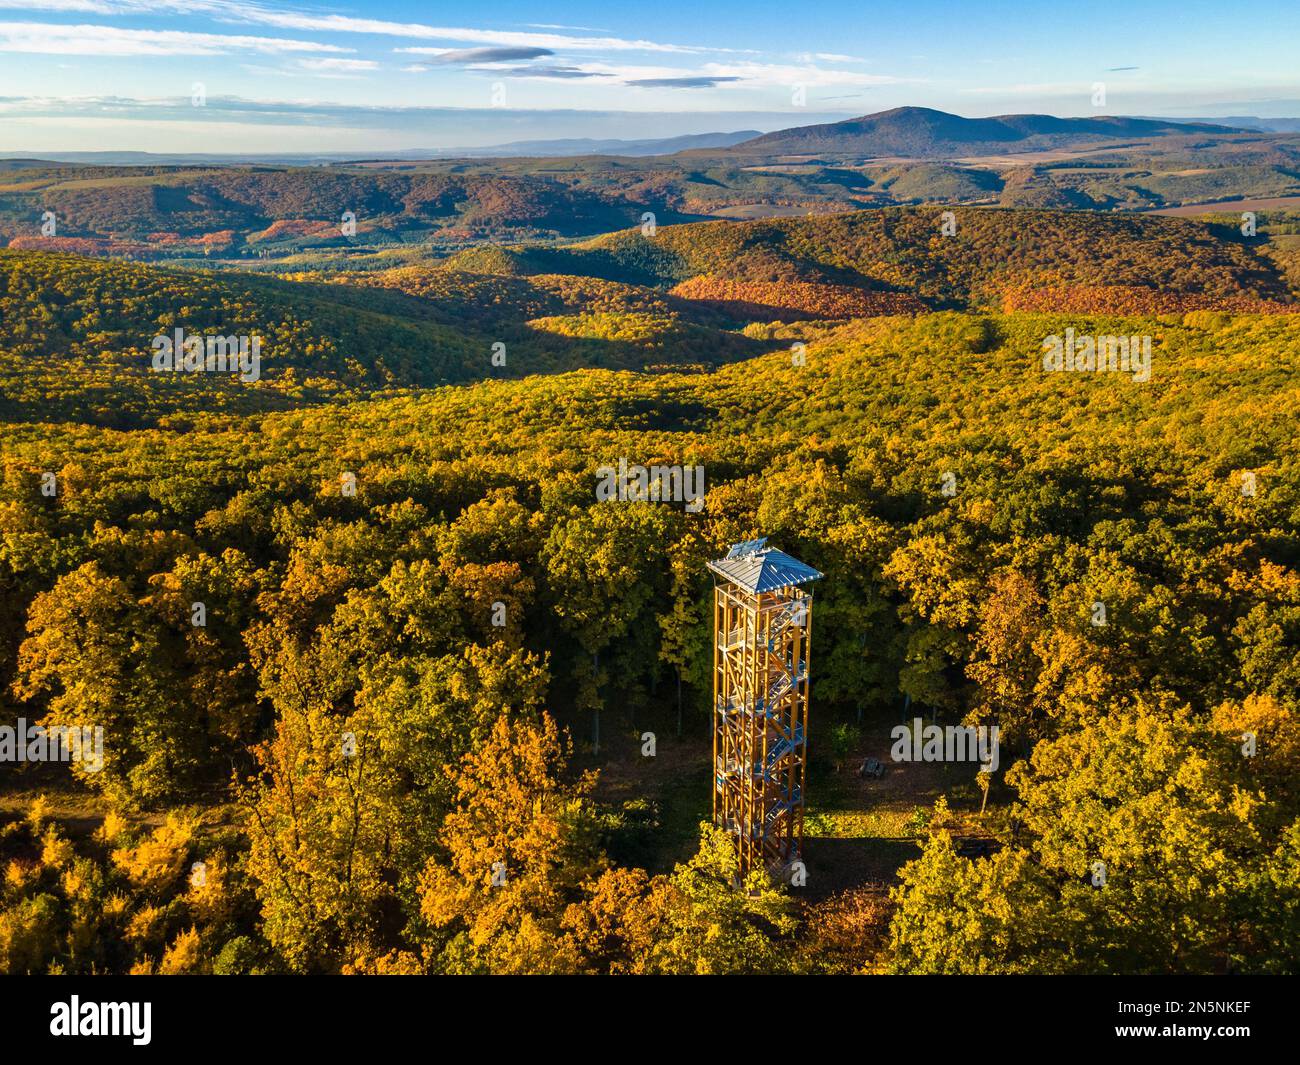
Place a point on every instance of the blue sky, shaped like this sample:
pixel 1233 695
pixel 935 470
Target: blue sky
pixel 282 76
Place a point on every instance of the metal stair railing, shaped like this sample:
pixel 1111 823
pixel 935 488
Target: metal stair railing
pixel 783 684
pixel 780 807
pixel 796 608
pixel 784 746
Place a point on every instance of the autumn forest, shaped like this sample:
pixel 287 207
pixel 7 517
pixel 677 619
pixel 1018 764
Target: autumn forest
pixel 384 685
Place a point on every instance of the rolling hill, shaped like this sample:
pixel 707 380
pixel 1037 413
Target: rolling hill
pixel 76 335
pixel 996 259
pixel 926 133
pixel 74 330
pixel 382 214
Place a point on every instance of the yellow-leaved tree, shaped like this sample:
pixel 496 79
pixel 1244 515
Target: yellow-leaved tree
pixel 1146 845
pixel 516 847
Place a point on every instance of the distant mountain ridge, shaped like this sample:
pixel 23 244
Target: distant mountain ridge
pixel 1252 123
pixel 557 148
pixel 593 146
pixel 923 132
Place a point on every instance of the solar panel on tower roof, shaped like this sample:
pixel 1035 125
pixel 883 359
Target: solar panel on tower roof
pixel 747 547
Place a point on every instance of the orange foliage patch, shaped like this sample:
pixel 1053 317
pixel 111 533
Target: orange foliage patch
pixel 295 227
pixel 218 238
pixel 221 238
pixel 78 245
pixel 1132 299
pixel 793 300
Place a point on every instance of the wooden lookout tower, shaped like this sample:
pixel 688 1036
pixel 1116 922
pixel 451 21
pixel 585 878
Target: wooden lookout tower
pixel 762 632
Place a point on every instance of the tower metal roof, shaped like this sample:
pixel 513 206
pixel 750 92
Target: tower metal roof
pixel 759 568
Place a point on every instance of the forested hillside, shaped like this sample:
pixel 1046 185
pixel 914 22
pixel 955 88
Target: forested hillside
pixel 925 132
pixel 377 215
pixel 265 205
pixel 226 212
pixel 991 259
pixel 76 335
pixel 74 330
pixel 408 598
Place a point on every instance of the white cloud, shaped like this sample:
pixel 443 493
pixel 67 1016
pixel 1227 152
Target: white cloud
pixel 747 75
pixel 81 7
pixel 810 75
pixel 561 26
pixel 510 38
pixel 340 65
pixel 259 14
pixel 830 57
pixel 43 38
pixel 1041 89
